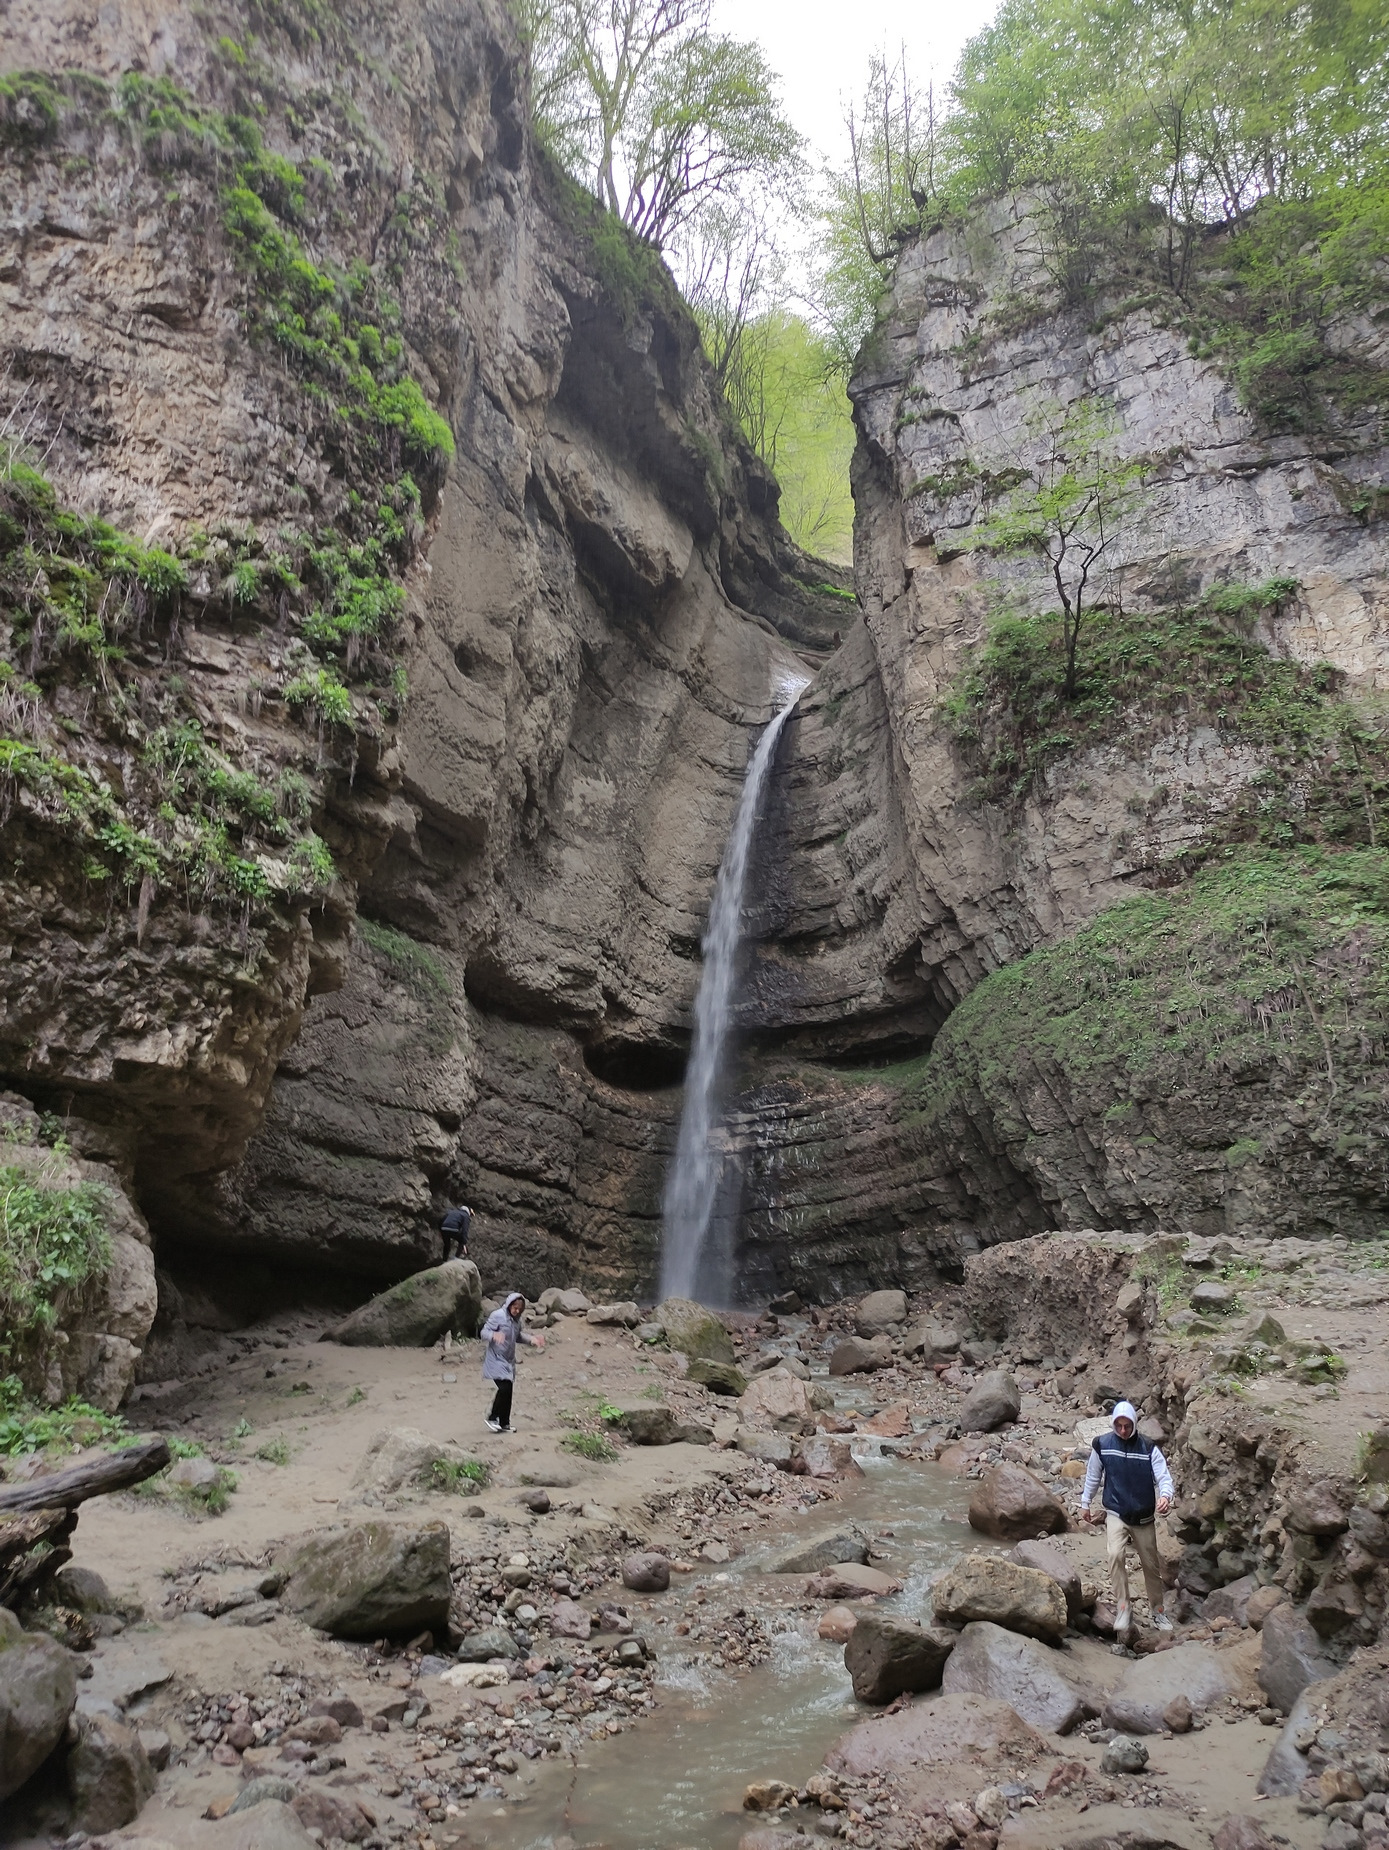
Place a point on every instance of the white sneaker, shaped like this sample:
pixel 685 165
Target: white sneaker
pixel 1162 1622
pixel 1123 1619
pixel 494 1425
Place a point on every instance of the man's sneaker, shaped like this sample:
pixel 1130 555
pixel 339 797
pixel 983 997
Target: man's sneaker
pixel 495 1426
pixel 1162 1622
pixel 1123 1618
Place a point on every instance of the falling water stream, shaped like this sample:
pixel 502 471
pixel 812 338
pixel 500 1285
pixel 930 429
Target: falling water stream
pixel 691 1267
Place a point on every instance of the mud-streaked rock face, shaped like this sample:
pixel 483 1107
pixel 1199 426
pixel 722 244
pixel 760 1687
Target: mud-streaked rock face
pixel 495 1002
pixel 599 620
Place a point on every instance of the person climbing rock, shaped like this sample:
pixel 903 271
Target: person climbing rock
pixel 1137 1490
pixel 454 1227
pixel 501 1333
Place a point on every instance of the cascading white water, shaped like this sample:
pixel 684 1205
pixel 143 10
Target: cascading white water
pixel 693 1181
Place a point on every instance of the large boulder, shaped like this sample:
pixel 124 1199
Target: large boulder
pixel 1317 1510
pixel 993 1401
pixel 1290 1657
pixel 850 1581
pixel 694 1331
pixel 771 1448
pixel 999 1592
pixel 773 1397
pixel 1048 1559
pixel 370 1579
pixel 645 1573
pixel 931 1343
pixel 109 1774
pixel 1231 1601
pixel 417 1311
pixel 645 1424
pixel 1287 1765
pixel 1136 1703
pixel 824 1551
pixel 1009 1503
pixel 944 1728
pixel 1026 1675
pixel 488 1644
pixel 718 1377
pixel 624 1316
pixel 880 1312
pixel 38 1686
pixel 271 1825
pixel 400 1458
pixel 885 1656
pixel 649 1425
pixel 826 1456
pixel 855 1356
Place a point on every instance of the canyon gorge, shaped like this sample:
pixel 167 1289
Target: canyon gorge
pixel 317 920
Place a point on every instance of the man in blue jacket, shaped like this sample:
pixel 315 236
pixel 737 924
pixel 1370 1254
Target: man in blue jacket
pixel 1137 1490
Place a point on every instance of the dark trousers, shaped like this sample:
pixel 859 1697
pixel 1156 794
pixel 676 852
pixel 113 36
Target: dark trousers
pixel 501 1406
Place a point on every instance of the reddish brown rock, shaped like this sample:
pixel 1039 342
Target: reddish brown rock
pixel 1011 1504
pixel 942 1728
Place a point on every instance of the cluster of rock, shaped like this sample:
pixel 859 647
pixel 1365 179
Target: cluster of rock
pixel 106 1762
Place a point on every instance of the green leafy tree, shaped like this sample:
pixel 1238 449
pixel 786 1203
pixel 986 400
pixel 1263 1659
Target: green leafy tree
pixel 891 176
pixel 657 113
pixel 1070 508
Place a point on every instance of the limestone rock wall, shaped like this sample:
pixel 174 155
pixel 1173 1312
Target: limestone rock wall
pixel 492 1001
pixel 895 891
pixel 600 612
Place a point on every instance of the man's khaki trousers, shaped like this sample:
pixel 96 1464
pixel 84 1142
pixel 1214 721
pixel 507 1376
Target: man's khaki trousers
pixel 1143 1535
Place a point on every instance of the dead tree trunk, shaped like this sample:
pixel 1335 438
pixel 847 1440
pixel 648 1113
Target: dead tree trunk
pixel 66 1489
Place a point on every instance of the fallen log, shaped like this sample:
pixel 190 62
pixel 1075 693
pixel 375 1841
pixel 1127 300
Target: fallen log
pixel 66 1489
pixel 32 1549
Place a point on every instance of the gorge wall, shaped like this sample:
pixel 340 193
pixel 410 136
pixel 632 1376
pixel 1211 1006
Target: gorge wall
pixel 426 524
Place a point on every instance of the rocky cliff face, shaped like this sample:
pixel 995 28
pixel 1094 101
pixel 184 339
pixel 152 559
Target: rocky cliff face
pixel 1206 1057
pixel 390 609
pixel 323 387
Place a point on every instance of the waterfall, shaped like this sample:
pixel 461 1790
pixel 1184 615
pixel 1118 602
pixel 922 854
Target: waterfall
pixel 692 1184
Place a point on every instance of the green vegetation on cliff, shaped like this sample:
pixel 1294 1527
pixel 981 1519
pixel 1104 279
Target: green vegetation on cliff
pixel 53 1245
pixel 1249 1009
pixel 78 597
pixel 1224 163
pixel 1262 958
pixel 1326 779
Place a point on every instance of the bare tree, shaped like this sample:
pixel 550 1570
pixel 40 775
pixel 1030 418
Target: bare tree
pixel 1070 507
pixel 652 109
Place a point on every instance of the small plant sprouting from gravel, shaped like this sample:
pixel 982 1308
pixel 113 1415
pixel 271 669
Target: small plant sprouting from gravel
pixel 590 1445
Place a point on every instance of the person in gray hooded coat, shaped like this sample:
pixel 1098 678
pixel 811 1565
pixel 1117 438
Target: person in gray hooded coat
pixel 500 1334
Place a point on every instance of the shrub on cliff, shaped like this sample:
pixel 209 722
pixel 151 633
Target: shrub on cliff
pixel 53 1246
pixel 1265 981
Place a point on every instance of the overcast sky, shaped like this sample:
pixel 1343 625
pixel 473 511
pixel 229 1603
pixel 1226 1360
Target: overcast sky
pixel 821 50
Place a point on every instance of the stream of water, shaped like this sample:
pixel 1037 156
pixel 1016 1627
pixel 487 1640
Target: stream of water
pixel 691 1265
pixel 676 1782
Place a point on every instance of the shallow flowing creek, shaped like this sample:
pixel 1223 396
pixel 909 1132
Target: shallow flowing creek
pixel 676 1781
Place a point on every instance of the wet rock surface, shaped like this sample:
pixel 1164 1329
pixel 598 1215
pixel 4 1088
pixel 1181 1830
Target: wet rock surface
pixel 989 1661
pixel 38 1687
pixel 886 1657
pixel 999 1592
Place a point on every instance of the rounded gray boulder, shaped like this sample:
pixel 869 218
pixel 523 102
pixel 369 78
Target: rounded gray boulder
pixel 886 1657
pixel 417 1311
pixel 38 1687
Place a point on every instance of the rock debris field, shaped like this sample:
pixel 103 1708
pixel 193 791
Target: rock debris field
pixel 349 1614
